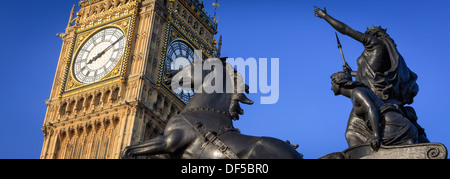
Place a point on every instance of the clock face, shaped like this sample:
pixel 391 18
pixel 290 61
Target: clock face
pixel 177 50
pixel 99 55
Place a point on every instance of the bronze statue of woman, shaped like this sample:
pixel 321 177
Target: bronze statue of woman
pixel 382 69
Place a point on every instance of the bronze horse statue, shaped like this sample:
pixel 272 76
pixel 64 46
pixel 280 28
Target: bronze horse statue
pixel 204 130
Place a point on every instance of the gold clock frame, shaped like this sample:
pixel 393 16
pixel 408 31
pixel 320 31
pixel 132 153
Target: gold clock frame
pixel 125 21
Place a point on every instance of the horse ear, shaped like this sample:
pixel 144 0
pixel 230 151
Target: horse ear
pixel 247 89
pixel 223 59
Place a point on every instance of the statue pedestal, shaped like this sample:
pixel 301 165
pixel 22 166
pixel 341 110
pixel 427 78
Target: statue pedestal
pixel 416 151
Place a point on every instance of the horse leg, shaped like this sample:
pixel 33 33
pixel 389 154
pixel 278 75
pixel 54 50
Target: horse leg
pixel 151 147
pixel 166 144
pixel 153 144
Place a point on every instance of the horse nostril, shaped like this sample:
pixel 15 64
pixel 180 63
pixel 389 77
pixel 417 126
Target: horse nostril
pixel 168 75
pixel 168 82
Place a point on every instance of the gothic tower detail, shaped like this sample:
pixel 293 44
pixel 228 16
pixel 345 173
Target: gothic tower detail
pixel 108 90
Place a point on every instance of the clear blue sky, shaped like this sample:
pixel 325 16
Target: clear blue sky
pixel 307 113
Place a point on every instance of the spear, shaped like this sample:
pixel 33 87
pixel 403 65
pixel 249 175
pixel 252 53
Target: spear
pixel 340 49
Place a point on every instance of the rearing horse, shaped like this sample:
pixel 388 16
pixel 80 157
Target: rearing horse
pixel 204 130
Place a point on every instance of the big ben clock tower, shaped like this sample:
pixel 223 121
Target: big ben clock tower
pixel 108 90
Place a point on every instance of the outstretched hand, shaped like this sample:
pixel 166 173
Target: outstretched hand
pixel 319 12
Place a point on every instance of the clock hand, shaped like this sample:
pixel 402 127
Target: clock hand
pixel 104 51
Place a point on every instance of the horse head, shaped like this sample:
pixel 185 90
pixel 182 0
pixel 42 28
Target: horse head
pixel 217 85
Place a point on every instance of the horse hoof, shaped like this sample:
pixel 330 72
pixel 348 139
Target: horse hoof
pixel 126 154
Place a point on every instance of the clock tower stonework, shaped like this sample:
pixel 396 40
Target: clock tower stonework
pixel 108 90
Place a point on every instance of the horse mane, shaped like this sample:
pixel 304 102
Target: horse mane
pixel 238 95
